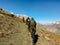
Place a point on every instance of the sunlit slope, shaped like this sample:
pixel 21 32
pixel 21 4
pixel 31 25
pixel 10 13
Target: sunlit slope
pixel 47 38
pixel 15 31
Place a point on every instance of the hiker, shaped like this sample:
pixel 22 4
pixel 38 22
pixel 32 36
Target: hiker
pixel 28 22
pixel 33 28
pixel 33 24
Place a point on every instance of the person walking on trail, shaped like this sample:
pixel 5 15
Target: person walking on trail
pixel 33 25
pixel 28 22
pixel 33 28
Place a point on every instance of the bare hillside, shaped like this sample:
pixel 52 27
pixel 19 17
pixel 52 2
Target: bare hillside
pixel 13 31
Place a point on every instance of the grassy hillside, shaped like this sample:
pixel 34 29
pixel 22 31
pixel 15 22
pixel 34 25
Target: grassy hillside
pixel 15 31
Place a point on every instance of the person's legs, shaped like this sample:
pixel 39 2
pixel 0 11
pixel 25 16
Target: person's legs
pixel 33 36
pixel 33 33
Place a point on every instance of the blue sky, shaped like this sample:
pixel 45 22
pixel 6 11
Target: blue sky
pixel 42 11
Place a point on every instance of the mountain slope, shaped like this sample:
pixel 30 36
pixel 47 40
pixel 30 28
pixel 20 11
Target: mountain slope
pixel 46 37
pixel 15 31
pixel 53 27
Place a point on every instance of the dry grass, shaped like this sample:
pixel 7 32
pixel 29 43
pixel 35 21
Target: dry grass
pixel 47 38
pixel 15 31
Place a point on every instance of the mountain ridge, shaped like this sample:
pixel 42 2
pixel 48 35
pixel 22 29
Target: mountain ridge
pixel 53 27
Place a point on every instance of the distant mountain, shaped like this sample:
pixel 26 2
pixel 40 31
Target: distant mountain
pixel 55 22
pixel 53 27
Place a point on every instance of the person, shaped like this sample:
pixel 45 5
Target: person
pixel 28 23
pixel 33 24
pixel 33 28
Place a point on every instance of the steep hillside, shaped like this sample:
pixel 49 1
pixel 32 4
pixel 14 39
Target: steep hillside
pixel 14 30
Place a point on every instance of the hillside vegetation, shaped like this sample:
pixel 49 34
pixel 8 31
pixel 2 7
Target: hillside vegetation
pixel 15 32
